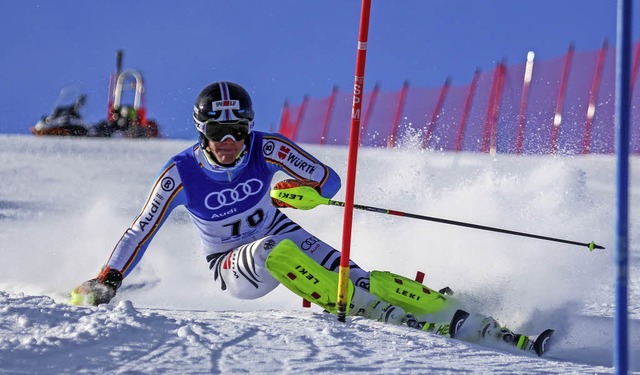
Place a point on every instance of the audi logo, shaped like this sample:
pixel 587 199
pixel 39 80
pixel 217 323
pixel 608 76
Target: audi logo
pixel 308 243
pixel 228 197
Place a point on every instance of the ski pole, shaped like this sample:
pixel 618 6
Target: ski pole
pixel 306 198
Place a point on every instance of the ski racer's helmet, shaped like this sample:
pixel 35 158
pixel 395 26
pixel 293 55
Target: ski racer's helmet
pixel 223 110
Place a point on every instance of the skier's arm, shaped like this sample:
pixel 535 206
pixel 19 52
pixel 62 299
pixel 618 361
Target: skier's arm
pixel 284 155
pixel 165 195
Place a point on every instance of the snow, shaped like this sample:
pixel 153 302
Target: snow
pixel 65 202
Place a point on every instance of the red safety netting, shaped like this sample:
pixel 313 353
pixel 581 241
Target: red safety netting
pixel 566 107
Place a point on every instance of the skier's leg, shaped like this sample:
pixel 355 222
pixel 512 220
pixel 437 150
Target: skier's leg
pixel 282 227
pixel 428 305
pixel 241 271
pixel 305 277
pixel 415 298
pixel 326 256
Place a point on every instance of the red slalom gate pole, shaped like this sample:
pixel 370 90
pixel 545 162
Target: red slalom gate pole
pixel 354 140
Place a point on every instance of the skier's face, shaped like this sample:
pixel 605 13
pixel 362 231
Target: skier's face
pixel 226 151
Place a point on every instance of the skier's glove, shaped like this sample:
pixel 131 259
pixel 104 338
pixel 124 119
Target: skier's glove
pixel 291 183
pixel 99 290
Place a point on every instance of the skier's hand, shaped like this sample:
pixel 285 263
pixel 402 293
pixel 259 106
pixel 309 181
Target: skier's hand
pixel 99 290
pixel 291 183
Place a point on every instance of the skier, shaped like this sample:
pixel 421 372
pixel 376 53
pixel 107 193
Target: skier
pixel 224 182
pixel 251 246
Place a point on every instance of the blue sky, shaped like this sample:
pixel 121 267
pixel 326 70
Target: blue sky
pixel 279 49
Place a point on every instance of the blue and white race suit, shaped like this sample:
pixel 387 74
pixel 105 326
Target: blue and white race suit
pixel 232 210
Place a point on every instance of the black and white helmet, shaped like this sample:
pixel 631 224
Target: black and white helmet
pixel 223 109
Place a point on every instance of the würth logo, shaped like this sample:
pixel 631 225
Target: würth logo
pixel 301 164
pixel 283 152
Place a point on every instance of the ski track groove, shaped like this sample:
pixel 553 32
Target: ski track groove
pixel 252 340
pixel 137 362
pixel 218 352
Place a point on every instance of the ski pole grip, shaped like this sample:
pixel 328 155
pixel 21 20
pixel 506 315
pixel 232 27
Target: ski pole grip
pixel 300 197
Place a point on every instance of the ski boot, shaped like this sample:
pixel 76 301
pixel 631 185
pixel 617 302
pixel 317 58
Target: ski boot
pixel 483 327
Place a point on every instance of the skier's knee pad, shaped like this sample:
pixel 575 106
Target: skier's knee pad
pixel 412 296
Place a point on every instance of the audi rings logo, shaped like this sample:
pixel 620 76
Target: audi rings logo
pixel 228 197
pixel 168 184
pixel 308 243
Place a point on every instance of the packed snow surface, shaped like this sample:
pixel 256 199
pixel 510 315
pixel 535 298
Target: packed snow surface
pixel 64 203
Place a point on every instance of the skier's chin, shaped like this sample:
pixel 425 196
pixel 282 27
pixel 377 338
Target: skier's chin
pixel 226 159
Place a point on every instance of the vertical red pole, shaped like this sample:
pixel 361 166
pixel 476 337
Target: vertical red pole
pixel 485 130
pixel 593 96
pixel 524 101
pixel 491 107
pixel 327 116
pixel 370 106
pixel 467 109
pixel 358 85
pixel 296 126
pixel 436 111
pixel 396 117
pixel 284 126
pixel 557 118
pixel 495 109
pixel 142 112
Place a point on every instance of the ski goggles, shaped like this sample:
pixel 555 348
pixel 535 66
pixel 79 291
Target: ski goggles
pixel 218 132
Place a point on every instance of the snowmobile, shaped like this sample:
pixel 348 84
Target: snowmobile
pixel 65 119
pixel 126 120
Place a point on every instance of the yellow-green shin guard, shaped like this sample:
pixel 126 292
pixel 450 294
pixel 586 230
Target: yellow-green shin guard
pixel 413 297
pixel 303 276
